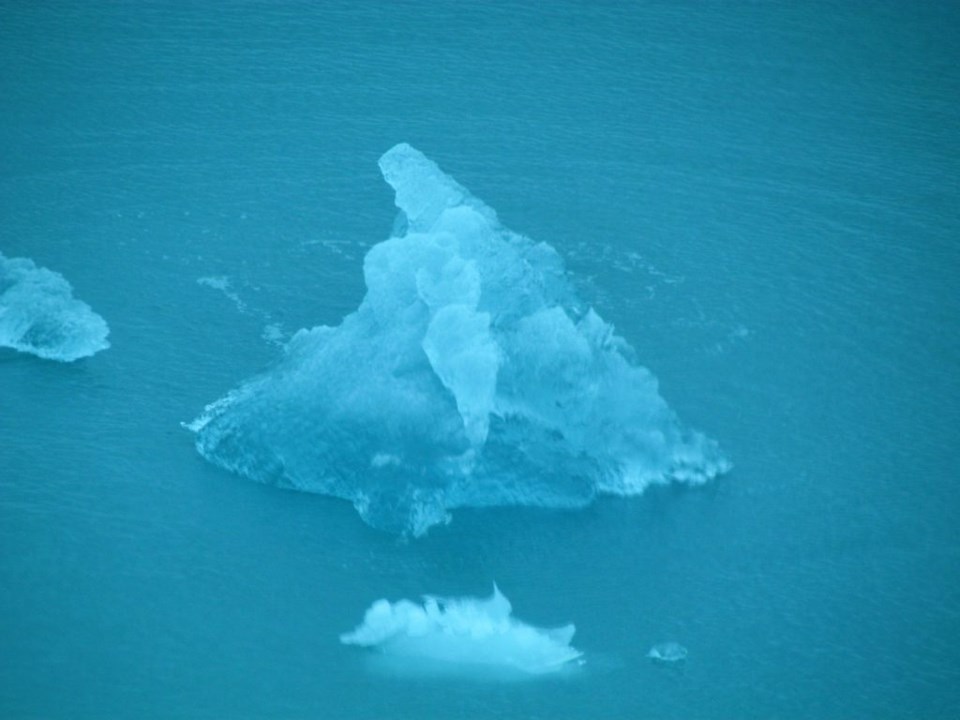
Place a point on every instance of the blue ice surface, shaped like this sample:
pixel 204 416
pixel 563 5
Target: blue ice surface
pixel 471 375
pixel 39 314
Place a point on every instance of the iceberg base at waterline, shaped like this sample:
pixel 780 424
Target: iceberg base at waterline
pixel 462 636
pixel 471 375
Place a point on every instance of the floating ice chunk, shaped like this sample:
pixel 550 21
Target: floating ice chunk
pixel 39 315
pixel 668 652
pixel 470 375
pixel 467 632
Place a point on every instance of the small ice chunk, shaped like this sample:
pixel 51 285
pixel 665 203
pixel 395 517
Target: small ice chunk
pixel 471 634
pixel 39 315
pixel 667 652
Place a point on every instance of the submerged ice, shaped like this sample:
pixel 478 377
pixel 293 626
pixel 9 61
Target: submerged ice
pixel 468 632
pixel 39 315
pixel 470 375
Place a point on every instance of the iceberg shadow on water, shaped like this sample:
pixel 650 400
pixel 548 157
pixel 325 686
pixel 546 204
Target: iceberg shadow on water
pixel 470 375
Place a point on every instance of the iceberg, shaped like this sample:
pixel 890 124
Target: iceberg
pixel 470 375
pixel 39 315
pixel 465 634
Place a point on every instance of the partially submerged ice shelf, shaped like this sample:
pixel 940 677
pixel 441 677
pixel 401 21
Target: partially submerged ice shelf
pixel 40 316
pixel 470 375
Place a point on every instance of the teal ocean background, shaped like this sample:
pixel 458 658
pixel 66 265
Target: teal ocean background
pixel 761 197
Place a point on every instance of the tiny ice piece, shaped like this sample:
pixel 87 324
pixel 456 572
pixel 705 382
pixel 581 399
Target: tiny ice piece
pixel 667 652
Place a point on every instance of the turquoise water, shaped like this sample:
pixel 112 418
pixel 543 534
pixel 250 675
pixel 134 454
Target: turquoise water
pixel 761 199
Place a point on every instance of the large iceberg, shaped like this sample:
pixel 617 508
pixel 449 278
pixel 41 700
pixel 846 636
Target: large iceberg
pixel 39 315
pixel 465 634
pixel 470 375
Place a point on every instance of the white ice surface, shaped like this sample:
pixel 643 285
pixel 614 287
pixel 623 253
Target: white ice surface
pixel 472 633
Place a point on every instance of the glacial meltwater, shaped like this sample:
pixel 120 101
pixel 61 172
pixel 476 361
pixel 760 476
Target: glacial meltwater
pixel 494 360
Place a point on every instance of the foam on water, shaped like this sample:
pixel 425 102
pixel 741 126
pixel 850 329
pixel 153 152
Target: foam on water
pixel 668 652
pixel 39 315
pixel 470 375
pixel 470 633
